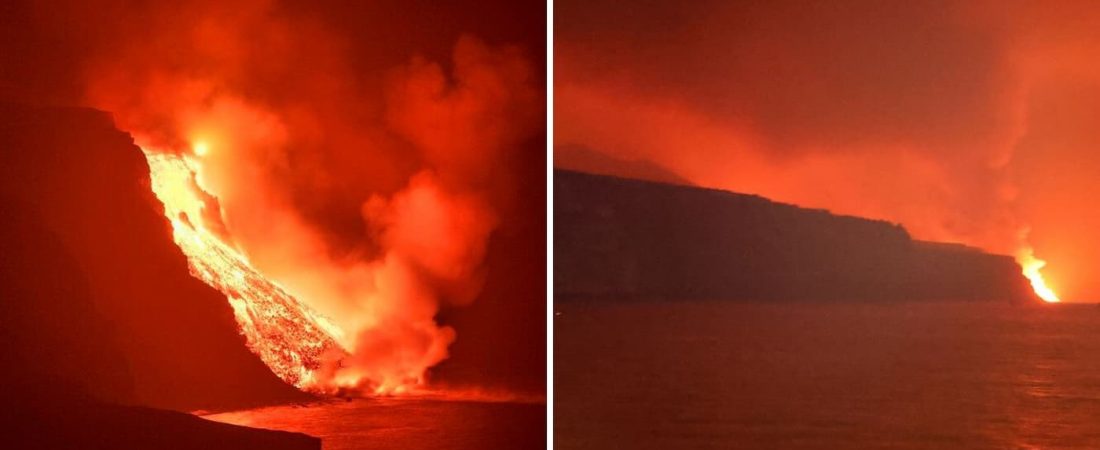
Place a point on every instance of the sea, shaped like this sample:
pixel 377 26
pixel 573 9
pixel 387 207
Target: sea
pixel 445 422
pixel 736 375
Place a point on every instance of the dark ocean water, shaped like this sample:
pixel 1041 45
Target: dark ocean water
pixel 407 423
pixel 757 376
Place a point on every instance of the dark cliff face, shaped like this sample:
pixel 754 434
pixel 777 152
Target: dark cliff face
pixel 41 287
pixel 63 363
pixel 120 293
pixel 620 238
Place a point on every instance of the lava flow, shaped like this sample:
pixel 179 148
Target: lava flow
pixel 1032 267
pixel 291 338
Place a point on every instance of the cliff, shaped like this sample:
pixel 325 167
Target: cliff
pixel 163 338
pixel 99 317
pixel 617 238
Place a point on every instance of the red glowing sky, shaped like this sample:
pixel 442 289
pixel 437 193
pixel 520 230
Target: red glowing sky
pixel 341 138
pixel 964 121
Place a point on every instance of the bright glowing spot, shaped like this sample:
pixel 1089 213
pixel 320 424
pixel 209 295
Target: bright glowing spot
pixel 292 339
pixel 200 148
pixel 1031 266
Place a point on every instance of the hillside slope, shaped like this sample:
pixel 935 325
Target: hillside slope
pixel 175 338
pixel 621 238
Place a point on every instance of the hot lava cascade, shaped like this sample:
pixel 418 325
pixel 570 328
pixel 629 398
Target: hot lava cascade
pixel 290 337
pixel 1031 268
pixel 349 307
pixel 339 191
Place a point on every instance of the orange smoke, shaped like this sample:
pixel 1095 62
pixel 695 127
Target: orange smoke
pixel 934 115
pixel 338 209
pixel 286 334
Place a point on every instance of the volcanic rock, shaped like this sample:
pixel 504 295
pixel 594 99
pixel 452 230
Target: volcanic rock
pixel 171 340
pixel 620 238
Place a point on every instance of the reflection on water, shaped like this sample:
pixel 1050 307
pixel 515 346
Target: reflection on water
pixel 407 423
pixel 721 375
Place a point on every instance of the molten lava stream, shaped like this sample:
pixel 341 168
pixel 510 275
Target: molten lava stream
pixel 1032 266
pixel 291 338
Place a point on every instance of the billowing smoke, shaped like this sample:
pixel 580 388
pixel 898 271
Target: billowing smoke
pixel 939 115
pixel 368 193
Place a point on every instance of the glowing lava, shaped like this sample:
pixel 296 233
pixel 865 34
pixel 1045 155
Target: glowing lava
pixel 1031 266
pixel 200 148
pixel 292 339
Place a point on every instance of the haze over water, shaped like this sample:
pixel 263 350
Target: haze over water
pixel 406 423
pixel 749 375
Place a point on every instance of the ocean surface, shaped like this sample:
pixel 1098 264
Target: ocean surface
pixel 406 423
pixel 843 376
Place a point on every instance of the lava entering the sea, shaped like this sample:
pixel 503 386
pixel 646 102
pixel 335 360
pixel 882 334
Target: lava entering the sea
pixel 1032 266
pixel 291 338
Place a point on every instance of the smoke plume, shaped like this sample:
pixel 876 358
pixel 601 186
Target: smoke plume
pixel 947 117
pixel 369 193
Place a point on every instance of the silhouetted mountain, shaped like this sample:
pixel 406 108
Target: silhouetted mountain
pixel 619 238
pixel 583 159
pixel 61 361
pixel 117 308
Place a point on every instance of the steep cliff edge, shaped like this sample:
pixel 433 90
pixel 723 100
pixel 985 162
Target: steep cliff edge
pixel 87 184
pixel 618 238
